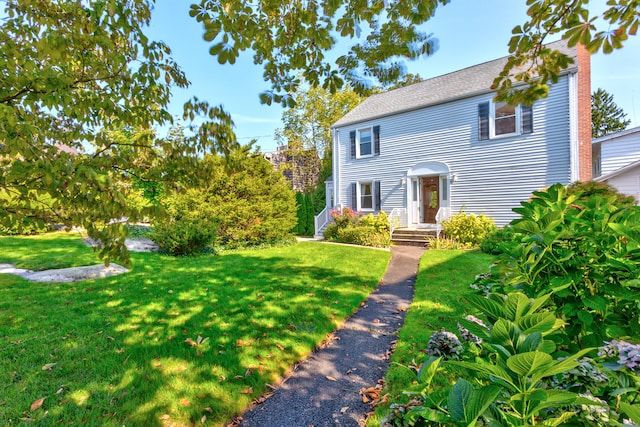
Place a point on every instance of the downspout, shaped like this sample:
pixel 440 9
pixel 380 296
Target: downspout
pixel 574 142
pixel 336 167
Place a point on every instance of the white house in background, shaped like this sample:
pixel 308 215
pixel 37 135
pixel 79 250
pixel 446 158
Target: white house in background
pixel 616 161
pixel 425 151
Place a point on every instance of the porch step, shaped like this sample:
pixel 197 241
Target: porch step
pixel 411 237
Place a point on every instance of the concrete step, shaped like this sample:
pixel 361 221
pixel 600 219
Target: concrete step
pixel 411 237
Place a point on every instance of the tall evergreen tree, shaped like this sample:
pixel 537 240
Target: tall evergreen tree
pixel 606 116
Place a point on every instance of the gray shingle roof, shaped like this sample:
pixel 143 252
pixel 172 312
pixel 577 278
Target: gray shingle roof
pixel 448 87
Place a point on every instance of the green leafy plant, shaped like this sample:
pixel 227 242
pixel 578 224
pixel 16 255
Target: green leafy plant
pixel 585 252
pixel 189 226
pixel 252 203
pixel 349 226
pixel 468 229
pixel 498 241
pixel 512 376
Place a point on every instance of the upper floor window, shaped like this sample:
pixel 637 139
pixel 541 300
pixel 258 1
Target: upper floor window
pixel 505 117
pixel 365 142
pixel 500 119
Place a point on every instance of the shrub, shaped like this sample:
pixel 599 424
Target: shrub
pixel 188 227
pixel 512 375
pixel 363 235
pixel 350 227
pixel 305 215
pixel 585 190
pixel 585 252
pixel 498 241
pixel 252 203
pixel 468 229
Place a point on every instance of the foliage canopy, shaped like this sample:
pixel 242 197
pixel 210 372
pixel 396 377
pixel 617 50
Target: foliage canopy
pixel 73 72
pixel 291 39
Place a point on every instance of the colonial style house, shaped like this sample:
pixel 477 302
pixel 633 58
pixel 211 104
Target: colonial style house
pixel 616 161
pixel 432 149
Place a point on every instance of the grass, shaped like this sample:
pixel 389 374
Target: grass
pixel 443 281
pixel 176 341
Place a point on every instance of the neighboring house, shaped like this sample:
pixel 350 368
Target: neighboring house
pixel 432 149
pixel 616 161
pixel 301 168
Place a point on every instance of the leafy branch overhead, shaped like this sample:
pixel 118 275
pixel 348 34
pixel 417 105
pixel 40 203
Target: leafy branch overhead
pixel 292 39
pixel 81 89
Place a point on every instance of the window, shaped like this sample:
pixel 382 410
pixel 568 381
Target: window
pixel 365 142
pixel 504 119
pixel 444 185
pixel 365 196
pixel 496 120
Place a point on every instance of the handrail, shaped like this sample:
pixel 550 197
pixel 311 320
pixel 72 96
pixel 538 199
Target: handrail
pixel 321 220
pixel 442 215
pixel 398 218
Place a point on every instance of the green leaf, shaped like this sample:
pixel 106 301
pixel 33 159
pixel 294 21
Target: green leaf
pixel 543 323
pixel 466 404
pixel 530 343
pixel 585 317
pixel 561 420
pixel 486 305
pixel 595 302
pixel 486 369
pixel 428 370
pixel 526 364
pixel 632 411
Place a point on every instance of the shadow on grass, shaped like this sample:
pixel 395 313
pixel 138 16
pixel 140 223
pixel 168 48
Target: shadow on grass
pixel 173 342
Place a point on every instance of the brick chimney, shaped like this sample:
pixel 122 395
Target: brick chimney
pixel 584 114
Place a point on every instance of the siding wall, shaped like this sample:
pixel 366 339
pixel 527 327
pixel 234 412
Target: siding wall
pixel 619 152
pixel 628 183
pixel 492 176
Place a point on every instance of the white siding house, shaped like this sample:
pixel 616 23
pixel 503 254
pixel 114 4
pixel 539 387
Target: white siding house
pixel 425 151
pixel 616 161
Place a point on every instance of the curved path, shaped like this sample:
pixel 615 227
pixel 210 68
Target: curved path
pixel 324 390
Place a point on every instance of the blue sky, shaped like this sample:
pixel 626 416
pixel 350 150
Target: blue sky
pixel 469 32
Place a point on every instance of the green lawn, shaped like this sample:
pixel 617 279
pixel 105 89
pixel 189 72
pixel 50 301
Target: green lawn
pixel 171 342
pixel 443 281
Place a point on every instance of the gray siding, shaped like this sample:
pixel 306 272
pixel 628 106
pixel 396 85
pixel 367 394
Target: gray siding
pixel 619 152
pixel 628 182
pixel 493 176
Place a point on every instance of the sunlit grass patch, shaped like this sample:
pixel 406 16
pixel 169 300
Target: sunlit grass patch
pixel 175 339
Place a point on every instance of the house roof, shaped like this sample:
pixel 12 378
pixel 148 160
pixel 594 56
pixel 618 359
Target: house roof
pixel 448 87
pixel 616 135
pixel 608 176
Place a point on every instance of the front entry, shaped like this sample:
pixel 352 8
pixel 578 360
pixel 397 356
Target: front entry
pixel 430 199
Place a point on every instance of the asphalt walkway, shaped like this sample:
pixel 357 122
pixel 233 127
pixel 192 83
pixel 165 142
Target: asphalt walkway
pixel 324 390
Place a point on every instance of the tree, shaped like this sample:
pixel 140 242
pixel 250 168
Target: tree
pixel 308 124
pixel 307 133
pixel 291 39
pixel 72 74
pixel 606 116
